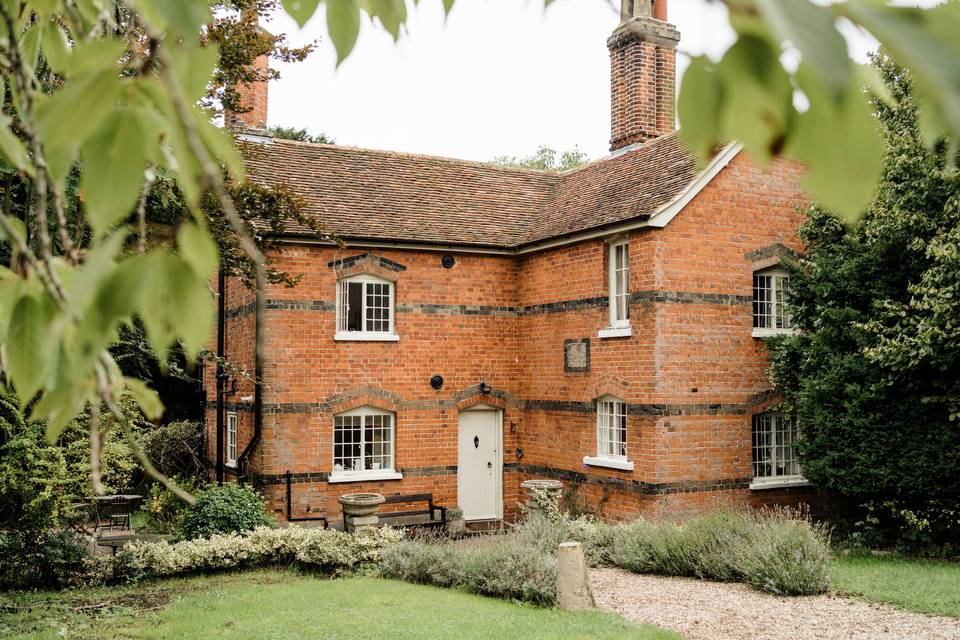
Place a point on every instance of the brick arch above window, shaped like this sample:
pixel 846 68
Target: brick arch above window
pixel 365 396
pixel 366 263
pixel 609 387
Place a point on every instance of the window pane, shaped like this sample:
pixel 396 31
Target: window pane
pixel 378 307
pixel 780 284
pixel 378 442
pixel 347 440
pixel 762 302
pixel 762 446
pixel 621 282
pixel 355 306
pixel 611 429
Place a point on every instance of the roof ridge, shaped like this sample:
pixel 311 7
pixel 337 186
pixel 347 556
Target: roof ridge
pixel 422 156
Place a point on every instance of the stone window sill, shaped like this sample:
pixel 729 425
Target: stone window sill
pixel 366 476
pixel 610 463
pixel 615 332
pixel 760 484
pixel 769 333
pixel 365 337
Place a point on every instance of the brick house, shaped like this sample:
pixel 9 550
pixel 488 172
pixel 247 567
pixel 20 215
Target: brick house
pixel 483 325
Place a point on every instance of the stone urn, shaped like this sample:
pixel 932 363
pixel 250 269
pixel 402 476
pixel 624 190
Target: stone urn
pixel 551 489
pixel 360 510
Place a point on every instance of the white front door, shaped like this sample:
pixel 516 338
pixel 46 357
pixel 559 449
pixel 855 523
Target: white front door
pixel 480 465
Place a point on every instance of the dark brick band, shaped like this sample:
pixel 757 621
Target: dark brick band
pixel 638 297
pixel 626 485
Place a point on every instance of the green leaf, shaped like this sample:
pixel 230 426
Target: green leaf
pixel 91 56
pixel 343 23
pixel 30 45
pixel 841 146
pixel 65 127
pixel 811 29
pixel 147 398
pixel 699 108
pixel 174 303
pixel 176 17
pixel 300 10
pixel 59 406
pixel 10 292
pixel 198 250
pixel 114 161
pixel 926 42
pixel 12 149
pixel 447 6
pixel 18 227
pixel 29 346
pixel 56 48
pixel 392 14
pixel 757 102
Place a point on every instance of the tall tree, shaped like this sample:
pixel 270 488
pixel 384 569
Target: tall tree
pixel 872 373
pixel 546 158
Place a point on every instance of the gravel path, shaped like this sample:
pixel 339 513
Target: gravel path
pixel 703 610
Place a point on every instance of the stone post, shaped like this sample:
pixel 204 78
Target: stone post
pixel 573 582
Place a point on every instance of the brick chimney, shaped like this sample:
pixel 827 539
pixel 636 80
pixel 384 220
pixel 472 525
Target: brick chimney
pixel 253 96
pixel 643 68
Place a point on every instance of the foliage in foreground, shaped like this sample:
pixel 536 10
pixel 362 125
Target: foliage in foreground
pixel 874 373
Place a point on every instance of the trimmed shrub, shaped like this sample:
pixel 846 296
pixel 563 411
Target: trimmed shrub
pixel 229 508
pixel 323 549
pixel 499 568
pixel 788 558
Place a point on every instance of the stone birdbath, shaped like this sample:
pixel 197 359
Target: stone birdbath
pixel 552 488
pixel 360 510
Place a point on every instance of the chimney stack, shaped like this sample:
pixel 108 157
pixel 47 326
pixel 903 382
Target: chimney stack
pixel 253 99
pixel 643 68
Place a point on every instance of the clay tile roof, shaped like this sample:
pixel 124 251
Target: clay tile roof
pixel 383 195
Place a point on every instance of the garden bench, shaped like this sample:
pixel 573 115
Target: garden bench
pixel 433 516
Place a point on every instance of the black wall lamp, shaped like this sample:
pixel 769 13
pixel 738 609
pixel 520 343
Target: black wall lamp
pixel 436 382
pixel 447 261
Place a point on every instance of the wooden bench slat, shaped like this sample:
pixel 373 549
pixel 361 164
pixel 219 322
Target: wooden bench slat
pixel 413 497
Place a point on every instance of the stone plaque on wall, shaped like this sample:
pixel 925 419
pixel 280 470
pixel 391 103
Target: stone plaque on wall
pixel 576 355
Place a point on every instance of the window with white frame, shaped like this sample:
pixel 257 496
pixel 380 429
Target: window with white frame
pixel 363 442
pixel 619 284
pixel 231 438
pixel 365 309
pixel 775 458
pixel 770 315
pixel 611 428
pixel 611 435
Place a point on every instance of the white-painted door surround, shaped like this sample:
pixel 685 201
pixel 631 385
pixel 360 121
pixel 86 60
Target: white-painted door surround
pixel 480 463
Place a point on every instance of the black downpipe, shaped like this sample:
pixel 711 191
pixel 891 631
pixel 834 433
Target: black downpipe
pixel 258 385
pixel 290 518
pixel 221 354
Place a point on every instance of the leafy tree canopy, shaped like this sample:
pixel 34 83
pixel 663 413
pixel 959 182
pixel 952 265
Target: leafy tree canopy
pixel 301 135
pixel 873 374
pixel 546 158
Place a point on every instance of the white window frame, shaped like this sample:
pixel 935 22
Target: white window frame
pixel 363 475
pixel 775 480
pixel 618 288
pixel 232 427
pixel 342 333
pixel 777 294
pixel 609 408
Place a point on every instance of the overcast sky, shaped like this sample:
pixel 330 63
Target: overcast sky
pixel 498 77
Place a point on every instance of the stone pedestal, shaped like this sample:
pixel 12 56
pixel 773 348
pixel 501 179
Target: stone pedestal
pixel 360 510
pixel 551 487
pixel 573 582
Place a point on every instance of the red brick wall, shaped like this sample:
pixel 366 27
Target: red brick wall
pixel 691 372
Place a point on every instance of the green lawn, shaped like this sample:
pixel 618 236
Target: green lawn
pixel 927 586
pixel 283 605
